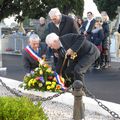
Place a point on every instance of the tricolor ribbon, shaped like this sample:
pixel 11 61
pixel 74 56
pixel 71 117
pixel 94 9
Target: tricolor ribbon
pixel 32 53
pixel 60 81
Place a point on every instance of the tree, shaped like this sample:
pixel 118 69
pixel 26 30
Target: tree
pixel 7 8
pixel 110 6
pixel 37 8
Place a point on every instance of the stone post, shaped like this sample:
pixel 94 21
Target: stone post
pixel 78 110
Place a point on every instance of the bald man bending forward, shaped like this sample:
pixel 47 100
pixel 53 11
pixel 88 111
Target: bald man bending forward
pixel 87 53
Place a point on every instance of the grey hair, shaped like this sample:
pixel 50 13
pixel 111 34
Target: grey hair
pixel 41 18
pixel 34 37
pixel 50 38
pixel 54 12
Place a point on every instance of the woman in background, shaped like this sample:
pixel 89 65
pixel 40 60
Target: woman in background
pixel 106 41
pixel 97 36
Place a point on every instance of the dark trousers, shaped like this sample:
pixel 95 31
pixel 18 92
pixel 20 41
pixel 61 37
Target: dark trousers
pixel 78 68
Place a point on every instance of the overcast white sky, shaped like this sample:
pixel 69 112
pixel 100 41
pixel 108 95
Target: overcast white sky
pixel 89 6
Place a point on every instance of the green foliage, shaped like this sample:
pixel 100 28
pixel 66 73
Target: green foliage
pixel 110 6
pixel 37 8
pixel 14 108
pixel 8 8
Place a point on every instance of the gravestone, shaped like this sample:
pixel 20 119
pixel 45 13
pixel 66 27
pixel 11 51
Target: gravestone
pixel 0 50
pixel 2 69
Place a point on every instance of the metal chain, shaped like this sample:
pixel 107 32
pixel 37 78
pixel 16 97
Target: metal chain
pixel 112 113
pixel 39 98
pixel 13 91
pixel 31 96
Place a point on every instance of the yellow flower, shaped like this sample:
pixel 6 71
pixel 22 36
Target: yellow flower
pixel 33 82
pixel 48 87
pixel 46 65
pixel 40 72
pixel 52 72
pixel 54 79
pixel 40 84
pixel 48 83
pixel 30 82
pixel 52 86
pixel 48 70
pixel 54 83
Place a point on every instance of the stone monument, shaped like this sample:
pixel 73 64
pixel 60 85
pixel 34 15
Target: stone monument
pixel 2 69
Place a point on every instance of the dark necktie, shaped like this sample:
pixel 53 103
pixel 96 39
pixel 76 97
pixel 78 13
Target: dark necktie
pixel 62 51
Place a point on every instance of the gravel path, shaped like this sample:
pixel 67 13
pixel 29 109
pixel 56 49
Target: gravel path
pixel 59 111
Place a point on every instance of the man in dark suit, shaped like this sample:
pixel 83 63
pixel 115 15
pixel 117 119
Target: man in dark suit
pixel 32 53
pixel 61 24
pixel 87 26
pixel 81 54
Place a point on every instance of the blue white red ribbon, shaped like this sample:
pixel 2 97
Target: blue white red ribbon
pixel 32 53
pixel 60 81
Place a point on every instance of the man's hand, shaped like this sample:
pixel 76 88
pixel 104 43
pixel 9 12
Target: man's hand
pixel 69 52
pixel 44 57
pixel 41 61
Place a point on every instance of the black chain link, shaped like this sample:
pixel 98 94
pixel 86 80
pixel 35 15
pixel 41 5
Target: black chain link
pixel 31 96
pixel 112 113
pixel 38 98
pixel 13 91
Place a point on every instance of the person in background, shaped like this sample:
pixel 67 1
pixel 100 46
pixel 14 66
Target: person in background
pixel 97 36
pixel 81 54
pixel 40 30
pixel 60 24
pixel 32 54
pixel 106 41
pixel 87 26
pixel 79 21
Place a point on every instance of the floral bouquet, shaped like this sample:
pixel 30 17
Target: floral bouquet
pixel 43 78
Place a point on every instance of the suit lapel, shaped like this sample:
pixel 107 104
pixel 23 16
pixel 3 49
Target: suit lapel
pixel 62 23
pixel 91 25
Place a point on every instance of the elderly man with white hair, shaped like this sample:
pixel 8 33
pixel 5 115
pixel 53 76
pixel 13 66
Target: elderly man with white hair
pixel 40 28
pixel 61 24
pixel 81 54
pixel 32 53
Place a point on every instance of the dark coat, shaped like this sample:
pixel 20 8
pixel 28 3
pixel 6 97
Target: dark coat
pixel 119 28
pixel 28 62
pixel 106 40
pixel 87 52
pixel 83 28
pixel 67 25
pixel 97 37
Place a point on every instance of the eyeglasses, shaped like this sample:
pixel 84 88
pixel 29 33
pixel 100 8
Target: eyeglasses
pixel 54 18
